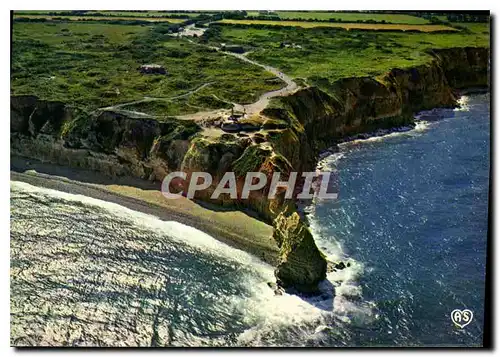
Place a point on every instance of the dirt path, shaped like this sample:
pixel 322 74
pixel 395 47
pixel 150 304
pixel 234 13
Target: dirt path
pixel 154 99
pixel 190 31
pixel 249 109
pixel 263 101
pixel 253 108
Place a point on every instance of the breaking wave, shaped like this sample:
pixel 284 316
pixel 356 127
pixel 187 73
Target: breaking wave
pixel 232 289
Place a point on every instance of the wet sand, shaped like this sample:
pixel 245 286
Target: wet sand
pixel 235 228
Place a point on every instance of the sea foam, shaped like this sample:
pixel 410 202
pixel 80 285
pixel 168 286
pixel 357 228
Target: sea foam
pixel 267 314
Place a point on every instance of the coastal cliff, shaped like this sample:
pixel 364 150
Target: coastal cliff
pixel 298 127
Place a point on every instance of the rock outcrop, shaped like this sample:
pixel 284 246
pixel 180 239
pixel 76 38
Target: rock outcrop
pixel 301 265
pixel 296 128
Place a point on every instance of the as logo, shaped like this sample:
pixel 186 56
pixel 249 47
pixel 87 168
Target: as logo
pixel 461 318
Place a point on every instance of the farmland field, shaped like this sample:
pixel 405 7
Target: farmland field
pixel 112 13
pixel 148 13
pixel 354 16
pixel 474 27
pixel 102 18
pixel 347 26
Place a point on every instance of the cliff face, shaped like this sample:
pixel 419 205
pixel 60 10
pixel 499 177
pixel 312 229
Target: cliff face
pixel 356 105
pixel 309 120
pixel 109 142
pixel 465 68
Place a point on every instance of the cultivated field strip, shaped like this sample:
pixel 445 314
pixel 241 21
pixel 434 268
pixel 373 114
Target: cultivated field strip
pixel 347 26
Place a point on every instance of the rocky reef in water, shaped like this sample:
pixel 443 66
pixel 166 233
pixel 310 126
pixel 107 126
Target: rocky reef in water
pixel 306 122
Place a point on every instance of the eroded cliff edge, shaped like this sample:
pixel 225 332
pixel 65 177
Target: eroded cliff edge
pixel 297 128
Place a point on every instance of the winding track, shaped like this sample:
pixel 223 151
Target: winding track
pixel 261 103
pixel 118 107
pixel 249 109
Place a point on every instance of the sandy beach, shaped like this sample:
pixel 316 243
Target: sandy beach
pixel 235 228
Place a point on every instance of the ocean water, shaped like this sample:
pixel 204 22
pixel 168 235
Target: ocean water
pixel 411 219
pixel 86 272
pixel 412 211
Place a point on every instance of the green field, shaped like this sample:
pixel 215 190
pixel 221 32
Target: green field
pixel 148 13
pixel 473 27
pixel 344 16
pixel 330 54
pixel 96 65
pixel 354 16
pixel 344 25
pixel 113 13
pixel 101 18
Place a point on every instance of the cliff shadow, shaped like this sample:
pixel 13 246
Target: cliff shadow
pixel 218 208
pixel 21 164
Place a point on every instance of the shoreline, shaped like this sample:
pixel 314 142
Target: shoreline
pixel 250 235
pixel 234 228
pixel 397 129
pixel 316 121
pixel 302 207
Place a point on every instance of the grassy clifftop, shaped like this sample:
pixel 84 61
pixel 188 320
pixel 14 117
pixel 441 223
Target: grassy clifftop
pixel 96 65
pixel 325 55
